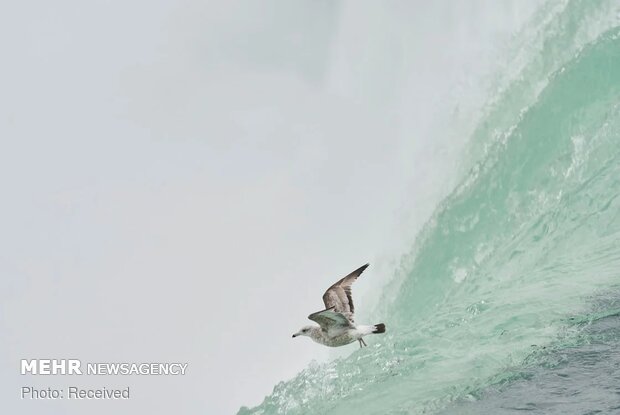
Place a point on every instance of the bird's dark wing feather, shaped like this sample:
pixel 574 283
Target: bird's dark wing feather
pixel 339 296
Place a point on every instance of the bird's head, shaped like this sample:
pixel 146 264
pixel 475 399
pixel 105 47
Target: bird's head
pixel 305 331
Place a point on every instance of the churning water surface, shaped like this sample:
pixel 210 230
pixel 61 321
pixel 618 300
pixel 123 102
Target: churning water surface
pixel 508 300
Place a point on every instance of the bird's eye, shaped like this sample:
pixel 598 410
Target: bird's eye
pixel 305 330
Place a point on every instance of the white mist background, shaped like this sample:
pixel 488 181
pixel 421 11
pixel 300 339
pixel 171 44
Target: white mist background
pixel 182 180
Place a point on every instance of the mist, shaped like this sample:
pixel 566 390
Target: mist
pixel 182 180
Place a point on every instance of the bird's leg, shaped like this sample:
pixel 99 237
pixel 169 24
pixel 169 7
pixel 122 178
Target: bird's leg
pixel 362 342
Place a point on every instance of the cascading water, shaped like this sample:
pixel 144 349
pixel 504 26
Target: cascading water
pixel 511 268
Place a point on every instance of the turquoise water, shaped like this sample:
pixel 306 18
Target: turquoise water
pixel 578 376
pixel 508 275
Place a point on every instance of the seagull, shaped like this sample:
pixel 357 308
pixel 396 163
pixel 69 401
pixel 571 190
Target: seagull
pixel 336 325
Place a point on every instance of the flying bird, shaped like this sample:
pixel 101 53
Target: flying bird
pixel 336 324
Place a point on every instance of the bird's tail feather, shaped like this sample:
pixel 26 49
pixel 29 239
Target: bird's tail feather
pixel 379 328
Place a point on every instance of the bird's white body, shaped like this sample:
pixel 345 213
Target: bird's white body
pixel 336 324
pixel 338 338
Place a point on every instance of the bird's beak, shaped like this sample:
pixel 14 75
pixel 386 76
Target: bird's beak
pixel 295 335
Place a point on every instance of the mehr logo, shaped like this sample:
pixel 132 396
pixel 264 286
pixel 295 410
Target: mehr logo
pixel 74 367
pixel 51 367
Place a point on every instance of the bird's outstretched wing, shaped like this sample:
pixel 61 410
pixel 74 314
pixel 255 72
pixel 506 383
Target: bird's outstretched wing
pixel 329 320
pixel 339 297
